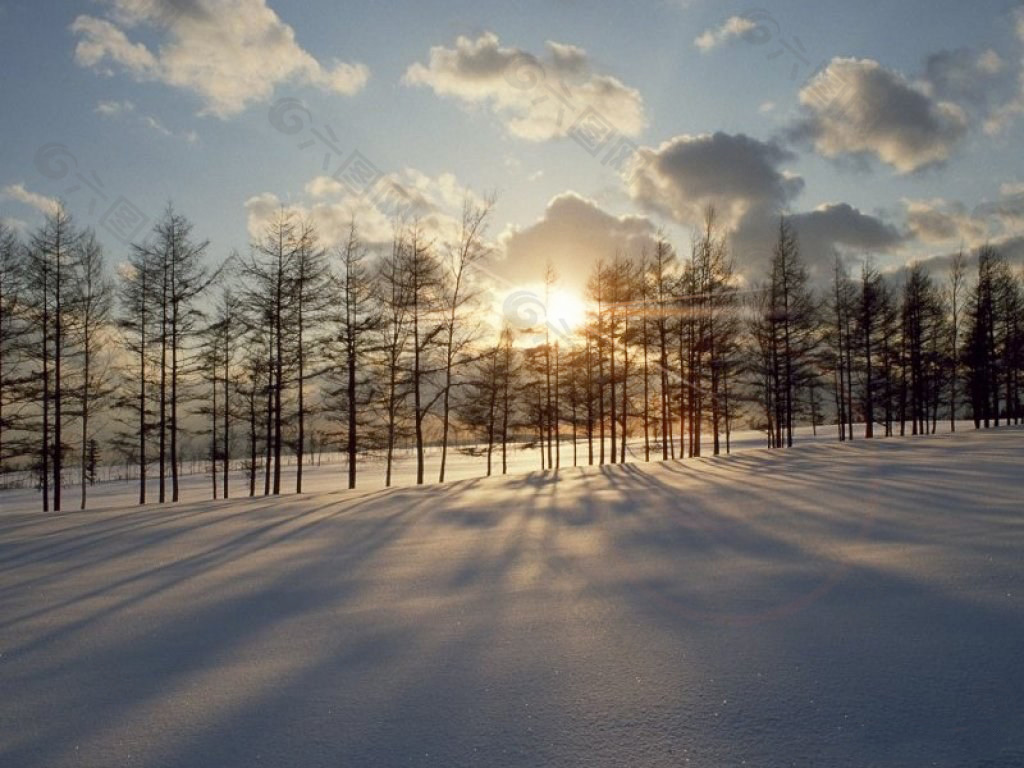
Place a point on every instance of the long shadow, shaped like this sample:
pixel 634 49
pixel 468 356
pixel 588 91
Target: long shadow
pixel 170 651
pixel 548 620
pixel 192 566
pixel 211 516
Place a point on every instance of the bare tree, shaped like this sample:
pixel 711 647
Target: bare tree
pixel 270 273
pixel 660 271
pixel 957 274
pixel 791 324
pixel 92 326
pixel 421 285
pixel 597 292
pixel 309 291
pixel 356 319
pixel 391 344
pixel 870 325
pixel 180 277
pixel 458 296
pixel 624 286
pixel 508 373
pixel 841 303
pixel 13 330
pixel 51 287
pixel 135 294
pixel 222 335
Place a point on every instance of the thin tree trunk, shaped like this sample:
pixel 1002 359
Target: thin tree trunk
pixel 227 413
pixel 350 388
pixel 142 397
pixel 163 386
pixel 301 442
pixel 556 417
pixel 58 384
pixel 213 432
pixel 86 355
pixel 45 453
pixel 174 403
pixel 268 432
pixel 252 439
pixel 613 405
pixel 625 386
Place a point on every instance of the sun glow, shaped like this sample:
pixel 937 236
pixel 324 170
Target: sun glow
pixel 566 310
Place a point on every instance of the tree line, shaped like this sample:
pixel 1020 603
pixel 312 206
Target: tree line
pixel 293 345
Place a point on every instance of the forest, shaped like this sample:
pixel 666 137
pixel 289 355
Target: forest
pixel 293 348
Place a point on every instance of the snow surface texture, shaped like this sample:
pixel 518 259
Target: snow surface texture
pixel 330 474
pixel 833 605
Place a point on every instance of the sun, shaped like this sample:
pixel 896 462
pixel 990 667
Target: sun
pixel 566 309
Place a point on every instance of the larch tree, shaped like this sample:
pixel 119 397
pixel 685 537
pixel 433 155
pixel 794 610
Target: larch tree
pixel 179 280
pixel 508 374
pixel 955 288
pixel 458 296
pixel 220 351
pixel 92 331
pixel 597 294
pixel 51 289
pixel 135 319
pixel 13 330
pixel 310 290
pixel 422 284
pixel 356 319
pixel 661 264
pixel 792 323
pixel 870 332
pixel 269 274
pixel 390 346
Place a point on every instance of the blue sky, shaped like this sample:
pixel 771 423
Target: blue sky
pixel 716 101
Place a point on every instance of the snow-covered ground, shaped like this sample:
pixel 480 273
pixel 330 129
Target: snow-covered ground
pixel 833 605
pixel 330 473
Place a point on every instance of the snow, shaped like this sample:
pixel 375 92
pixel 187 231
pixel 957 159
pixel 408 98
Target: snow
pixel 833 605
pixel 330 473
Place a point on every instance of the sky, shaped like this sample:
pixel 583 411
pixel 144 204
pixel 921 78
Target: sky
pixel 889 130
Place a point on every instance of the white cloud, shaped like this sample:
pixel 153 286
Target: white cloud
pixel 841 226
pixel 122 109
pixel 736 173
pixel 936 220
pixel 822 232
pixel 331 217
pixel 1011 248
pixel 231 53
pixel 1008 210
pixel 538 98
pixel 100 40
pixel 189 137
pixel 856 107
pixel 22 195
pixel 435 202
pixel 963 75
pixel 733 28
pixel 573 231
pixel 747 182
pixel 990 62
pixel 113 108
pixel 980 82
pixel 941 221
pixel 1004 115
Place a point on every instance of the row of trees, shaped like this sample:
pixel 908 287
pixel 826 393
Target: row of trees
pixel 368 351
